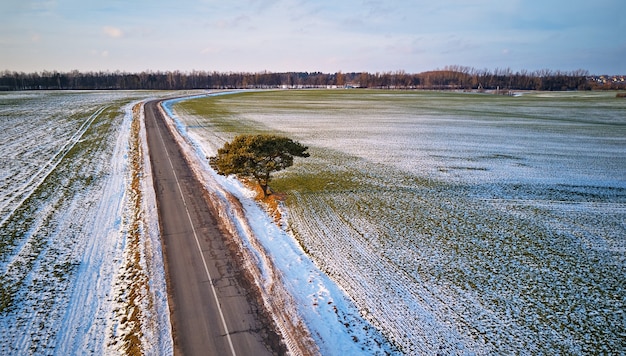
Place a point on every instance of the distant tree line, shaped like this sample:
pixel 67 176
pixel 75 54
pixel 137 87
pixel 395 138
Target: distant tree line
pixel 449 78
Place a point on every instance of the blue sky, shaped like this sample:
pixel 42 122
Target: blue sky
pixel 320 35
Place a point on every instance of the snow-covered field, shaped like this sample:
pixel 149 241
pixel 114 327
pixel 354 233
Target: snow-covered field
pixel 66 216
pixel 456 223
pixel 445 223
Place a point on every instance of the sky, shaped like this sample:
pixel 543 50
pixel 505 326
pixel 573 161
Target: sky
pixel 312 35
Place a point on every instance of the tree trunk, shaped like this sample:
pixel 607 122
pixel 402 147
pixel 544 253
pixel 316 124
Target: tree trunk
pixel 264 189
pixel 264 183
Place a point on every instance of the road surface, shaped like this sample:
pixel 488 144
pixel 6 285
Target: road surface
pixel 211 311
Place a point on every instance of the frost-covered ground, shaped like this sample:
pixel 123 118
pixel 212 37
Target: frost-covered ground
pixel 456 223
pixel 65 221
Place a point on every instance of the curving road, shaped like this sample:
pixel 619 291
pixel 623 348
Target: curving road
pixel 211 312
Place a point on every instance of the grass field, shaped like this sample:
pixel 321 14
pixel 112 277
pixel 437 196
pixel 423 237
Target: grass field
pixel 458 223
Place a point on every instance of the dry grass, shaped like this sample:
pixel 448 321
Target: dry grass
pixel 271 202
pixel 133 275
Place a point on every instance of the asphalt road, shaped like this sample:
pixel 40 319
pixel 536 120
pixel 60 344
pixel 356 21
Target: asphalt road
pixel 211 311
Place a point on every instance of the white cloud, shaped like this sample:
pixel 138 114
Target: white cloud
pixel 211 50
pixel 112 32
pixel 44 6
pixel 97 53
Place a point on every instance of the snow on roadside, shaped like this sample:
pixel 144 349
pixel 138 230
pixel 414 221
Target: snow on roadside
pixel 154 257
pixel 141 323
pixel 296 291
pixel 99 308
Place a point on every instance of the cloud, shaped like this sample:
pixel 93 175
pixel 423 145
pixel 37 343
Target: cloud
pixel 97 53
pixel 240 21
pixel 43 6
pixel 210 50
pixel 113 32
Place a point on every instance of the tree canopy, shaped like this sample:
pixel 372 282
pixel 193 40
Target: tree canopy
pixel 257 156
pixel 448 78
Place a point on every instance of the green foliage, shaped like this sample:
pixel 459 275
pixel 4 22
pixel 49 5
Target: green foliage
pixel 257 156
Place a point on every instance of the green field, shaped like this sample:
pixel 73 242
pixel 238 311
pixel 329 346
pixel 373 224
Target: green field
pixel 457 222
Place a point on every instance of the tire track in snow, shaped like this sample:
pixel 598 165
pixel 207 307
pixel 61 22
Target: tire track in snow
pixel 27 189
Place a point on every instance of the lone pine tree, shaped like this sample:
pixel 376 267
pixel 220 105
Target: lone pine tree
pixel 257 156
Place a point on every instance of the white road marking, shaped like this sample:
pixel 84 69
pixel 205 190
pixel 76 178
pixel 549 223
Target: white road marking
pixel 193 229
